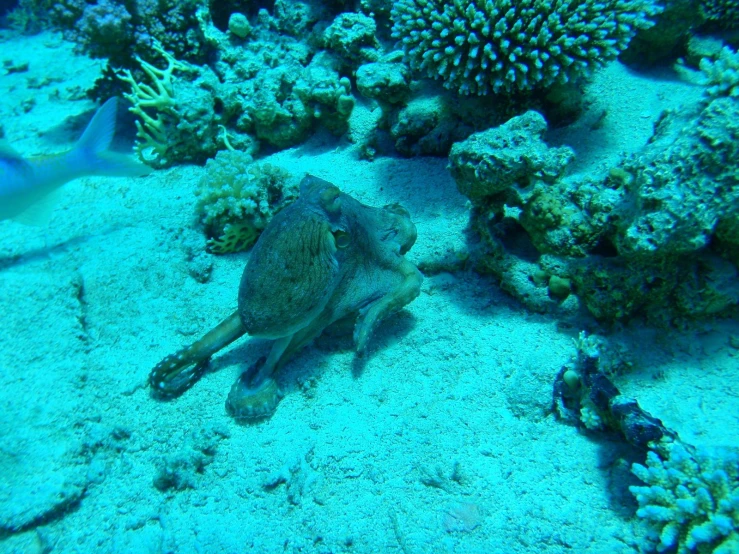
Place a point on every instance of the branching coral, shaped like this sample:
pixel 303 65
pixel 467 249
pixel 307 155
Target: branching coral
pixel 692 500
pixel 159 98
pixel 480 47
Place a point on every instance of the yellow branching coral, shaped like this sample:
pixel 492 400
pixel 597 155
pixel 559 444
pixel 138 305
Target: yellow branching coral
pixel 152 129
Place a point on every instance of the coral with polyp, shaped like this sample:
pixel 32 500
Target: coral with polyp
pixel 238 198
pixel 691 500
pixel 482 47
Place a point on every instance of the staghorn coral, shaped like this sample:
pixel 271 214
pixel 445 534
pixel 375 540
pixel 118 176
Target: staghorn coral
pixel 181 119
pixel 506 46
pixel 691 500
pixel 237 199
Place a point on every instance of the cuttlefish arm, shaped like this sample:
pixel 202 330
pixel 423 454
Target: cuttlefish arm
pixel 178 372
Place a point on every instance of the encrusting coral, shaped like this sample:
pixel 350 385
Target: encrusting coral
pixel 505 45
pixel 691 500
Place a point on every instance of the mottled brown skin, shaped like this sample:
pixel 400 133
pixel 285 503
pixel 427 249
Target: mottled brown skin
pixel 324 258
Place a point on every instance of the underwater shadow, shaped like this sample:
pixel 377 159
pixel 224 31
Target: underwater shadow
pixel 242 357
pixel 48 250
pixel 320 142
pixel 402 180
pixel 41 253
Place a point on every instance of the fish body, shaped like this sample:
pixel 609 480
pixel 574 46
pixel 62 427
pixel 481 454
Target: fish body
pixel 27 187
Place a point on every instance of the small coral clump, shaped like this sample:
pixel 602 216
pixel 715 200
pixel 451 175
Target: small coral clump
pixel 691 500
pixel 722 75
pixel 506 45
pixel 238 198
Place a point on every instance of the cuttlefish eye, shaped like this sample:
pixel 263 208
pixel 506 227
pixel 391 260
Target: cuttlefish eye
pixel 329 199
pixel 341 238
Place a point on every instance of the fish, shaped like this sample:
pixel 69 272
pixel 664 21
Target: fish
pixel 29 187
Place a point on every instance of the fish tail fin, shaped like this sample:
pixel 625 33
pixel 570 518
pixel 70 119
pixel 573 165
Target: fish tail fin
pixel 91 150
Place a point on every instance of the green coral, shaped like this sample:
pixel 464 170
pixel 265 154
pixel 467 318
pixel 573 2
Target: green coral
pixel 691 500
pixel 480 47
pixel 238 198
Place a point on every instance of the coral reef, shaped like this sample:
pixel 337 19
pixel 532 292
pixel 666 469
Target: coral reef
pixel 29 16
pixel 238 198
pixel 385 81
pixel 430 121
pixel 513 154
pixel 691 497
pixel 153 143
pixel 658 235
pixel 486 47
pixel 691 500
pixel 666 39
pixel 120 30
pixel 286 103
pixel 585 396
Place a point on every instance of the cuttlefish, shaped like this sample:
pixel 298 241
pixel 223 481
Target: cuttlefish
pixel 325 259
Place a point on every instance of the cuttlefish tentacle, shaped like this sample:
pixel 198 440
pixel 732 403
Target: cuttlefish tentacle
pixel 255 393
pixel 180 371
pixel 369 316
